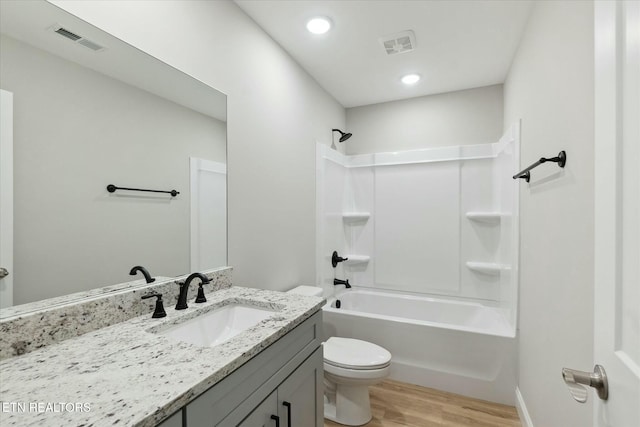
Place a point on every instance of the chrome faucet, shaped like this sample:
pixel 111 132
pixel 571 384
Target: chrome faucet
pixel 184 289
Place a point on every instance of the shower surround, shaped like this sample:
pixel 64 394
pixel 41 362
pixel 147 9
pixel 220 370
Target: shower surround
pixel 439 224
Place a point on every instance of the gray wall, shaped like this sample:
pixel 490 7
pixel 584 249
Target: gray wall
pixel 75 131
pixel 550 86
pixel 276 114
pixel 472 116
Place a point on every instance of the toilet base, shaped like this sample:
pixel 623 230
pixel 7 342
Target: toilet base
pixel 354 407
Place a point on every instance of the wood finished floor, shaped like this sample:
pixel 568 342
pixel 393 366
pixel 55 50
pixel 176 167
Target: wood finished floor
pixel 396 404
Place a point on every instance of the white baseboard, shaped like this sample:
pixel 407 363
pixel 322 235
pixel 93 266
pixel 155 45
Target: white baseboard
pixel 522 410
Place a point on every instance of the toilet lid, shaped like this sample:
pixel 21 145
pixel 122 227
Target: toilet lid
pixel 355 354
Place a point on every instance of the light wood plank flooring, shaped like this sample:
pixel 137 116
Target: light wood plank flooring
pixel 396 404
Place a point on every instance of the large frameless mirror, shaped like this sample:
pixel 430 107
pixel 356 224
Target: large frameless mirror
pixel 89 110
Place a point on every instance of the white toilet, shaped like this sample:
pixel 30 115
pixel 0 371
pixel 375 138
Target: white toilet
pixel 350 367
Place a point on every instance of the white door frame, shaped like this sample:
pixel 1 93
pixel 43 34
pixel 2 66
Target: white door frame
pixel 6 196
pixel 617 205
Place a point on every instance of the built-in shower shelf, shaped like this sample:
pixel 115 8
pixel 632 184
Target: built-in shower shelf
pixel 488 217
pixel 355 216
pixel 357 259
pixel 491 268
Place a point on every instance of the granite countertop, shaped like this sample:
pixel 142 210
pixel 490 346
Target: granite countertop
pixel 126 374
pixel 49 303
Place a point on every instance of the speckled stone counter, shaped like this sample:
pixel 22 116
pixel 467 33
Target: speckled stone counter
pixel 28 327
pixel 128 375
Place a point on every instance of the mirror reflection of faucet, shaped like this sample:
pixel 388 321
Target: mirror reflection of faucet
pixel 144 271
pixel 184 289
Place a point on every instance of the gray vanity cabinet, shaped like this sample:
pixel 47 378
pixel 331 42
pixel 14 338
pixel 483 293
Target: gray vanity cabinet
pixel 300 397
pixel 289 370
pixel 173 421
pixel 297 401
pixel 262 415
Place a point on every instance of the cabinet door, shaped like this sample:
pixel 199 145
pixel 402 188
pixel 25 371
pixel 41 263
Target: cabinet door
pixel 174 421
pixel 262 415
pixel 300 396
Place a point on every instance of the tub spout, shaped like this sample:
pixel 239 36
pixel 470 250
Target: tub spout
pixel 337 282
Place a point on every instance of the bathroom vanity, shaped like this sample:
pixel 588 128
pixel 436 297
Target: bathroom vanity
pixel 280 386
pixel 134 373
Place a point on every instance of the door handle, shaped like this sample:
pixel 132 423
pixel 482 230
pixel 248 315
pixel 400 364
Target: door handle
pixel 597 379
pixel 3 273
pixel 276 419
pixel 288 406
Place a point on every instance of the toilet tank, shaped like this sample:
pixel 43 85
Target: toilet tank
pixel 312 291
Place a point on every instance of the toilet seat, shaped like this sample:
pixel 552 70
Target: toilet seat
pixel 357 374
pixel 355 355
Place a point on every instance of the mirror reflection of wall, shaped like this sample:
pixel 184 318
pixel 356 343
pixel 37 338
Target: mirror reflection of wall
pixel 77 130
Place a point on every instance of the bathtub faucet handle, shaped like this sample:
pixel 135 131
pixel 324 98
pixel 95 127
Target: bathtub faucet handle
pixel 337 282
pixel 335 259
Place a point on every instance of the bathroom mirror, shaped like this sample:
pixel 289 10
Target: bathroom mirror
pixel 90 110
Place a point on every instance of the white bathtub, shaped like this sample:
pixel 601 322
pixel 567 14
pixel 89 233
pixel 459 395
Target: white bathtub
pixel 456 346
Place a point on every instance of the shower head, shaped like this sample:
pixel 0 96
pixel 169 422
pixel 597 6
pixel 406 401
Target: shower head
pixel 343 135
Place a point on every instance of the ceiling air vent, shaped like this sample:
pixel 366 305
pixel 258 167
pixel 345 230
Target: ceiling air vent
pixel 77 38
pixel 402 42
pixel 68 34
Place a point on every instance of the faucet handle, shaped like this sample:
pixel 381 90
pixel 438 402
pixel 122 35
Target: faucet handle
pixel 335 259
pixel 159 311
pixel 201 298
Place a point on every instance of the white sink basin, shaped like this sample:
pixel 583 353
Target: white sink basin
pixel 218 326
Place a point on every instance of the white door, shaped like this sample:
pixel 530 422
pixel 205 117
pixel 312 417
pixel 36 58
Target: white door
pixel 6 199
pixel 617 210
pixel 208 214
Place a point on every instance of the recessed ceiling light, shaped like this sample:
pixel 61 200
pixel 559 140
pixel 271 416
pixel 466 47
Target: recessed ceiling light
pixel 319 25
pixel 410 79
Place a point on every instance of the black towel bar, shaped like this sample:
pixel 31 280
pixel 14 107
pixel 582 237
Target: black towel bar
pixel 112 188
pixel 561 160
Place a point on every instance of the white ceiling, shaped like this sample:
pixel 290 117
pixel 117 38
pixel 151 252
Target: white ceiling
pixel 459 44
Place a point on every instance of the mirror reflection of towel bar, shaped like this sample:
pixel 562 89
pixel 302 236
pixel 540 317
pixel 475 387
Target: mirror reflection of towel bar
pixel 112 188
